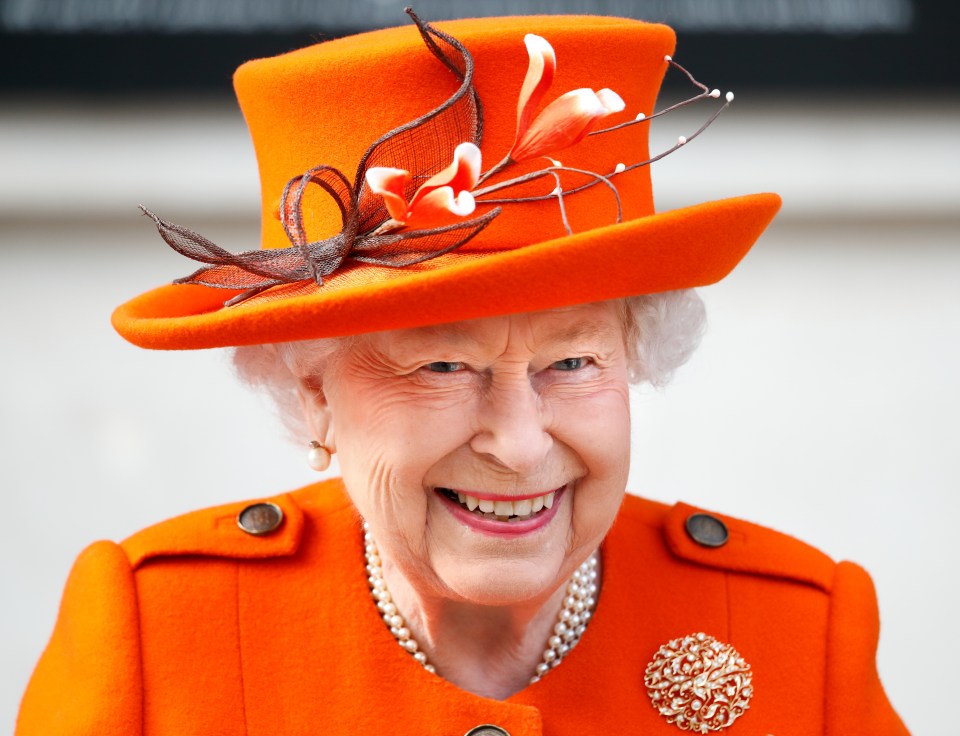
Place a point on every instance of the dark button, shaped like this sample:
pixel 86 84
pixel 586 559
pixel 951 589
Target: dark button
pixel 487 730
pixel 707 530
pixel 260 518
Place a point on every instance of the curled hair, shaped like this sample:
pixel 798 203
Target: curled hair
pixel 661 331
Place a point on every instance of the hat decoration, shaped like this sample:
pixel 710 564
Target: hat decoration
pixel 408 202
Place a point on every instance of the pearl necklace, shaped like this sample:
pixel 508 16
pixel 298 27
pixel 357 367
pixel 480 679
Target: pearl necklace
pixel 577 610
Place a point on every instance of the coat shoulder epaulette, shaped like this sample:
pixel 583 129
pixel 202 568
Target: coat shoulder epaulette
pixel 258 528
pixel 273 527
pixel 723 542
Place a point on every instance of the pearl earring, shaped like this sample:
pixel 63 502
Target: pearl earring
pixel 318 457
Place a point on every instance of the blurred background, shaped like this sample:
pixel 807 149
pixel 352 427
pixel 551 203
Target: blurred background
pixel 823 402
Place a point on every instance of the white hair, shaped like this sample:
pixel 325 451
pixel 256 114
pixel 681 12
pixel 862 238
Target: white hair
pixel 661 331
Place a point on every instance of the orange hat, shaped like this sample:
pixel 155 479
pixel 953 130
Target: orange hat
pixel 407 180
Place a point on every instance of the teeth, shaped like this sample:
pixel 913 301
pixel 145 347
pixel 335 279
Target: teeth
pixel 506 510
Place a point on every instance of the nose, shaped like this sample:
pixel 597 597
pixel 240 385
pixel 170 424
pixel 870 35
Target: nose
pixel 513 425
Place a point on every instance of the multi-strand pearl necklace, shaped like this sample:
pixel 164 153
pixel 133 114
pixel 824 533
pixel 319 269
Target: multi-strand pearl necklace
pixel 575 614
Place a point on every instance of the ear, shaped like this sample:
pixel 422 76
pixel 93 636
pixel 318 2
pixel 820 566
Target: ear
pixel 316 412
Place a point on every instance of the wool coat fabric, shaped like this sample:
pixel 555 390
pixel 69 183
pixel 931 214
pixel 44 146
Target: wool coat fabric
pixel 194 627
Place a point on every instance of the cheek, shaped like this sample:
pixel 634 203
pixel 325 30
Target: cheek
pixel 399 428
pixel 597 428
pixel 386 441
pixel 599 433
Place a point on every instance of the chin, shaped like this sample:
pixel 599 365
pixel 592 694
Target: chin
pixel 501 581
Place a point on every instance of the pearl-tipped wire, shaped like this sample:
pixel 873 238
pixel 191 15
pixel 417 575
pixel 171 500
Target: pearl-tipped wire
pixel 558 193
pixel 598 178
pixel 681 141
pixel 551 171
pixel 704 92
pixel 575 614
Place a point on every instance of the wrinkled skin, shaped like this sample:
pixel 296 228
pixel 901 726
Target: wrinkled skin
pixel 507 405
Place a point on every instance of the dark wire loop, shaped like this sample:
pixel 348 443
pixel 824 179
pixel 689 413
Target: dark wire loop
pixel 367 234
pixel 421 147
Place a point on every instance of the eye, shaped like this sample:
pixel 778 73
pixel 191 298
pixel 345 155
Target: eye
pixel 444 366
pixel 569 364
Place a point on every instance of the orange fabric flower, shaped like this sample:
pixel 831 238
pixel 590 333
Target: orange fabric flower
pixel 442 195
pixel 566 120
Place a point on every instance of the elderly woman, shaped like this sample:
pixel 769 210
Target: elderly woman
pixel 462 335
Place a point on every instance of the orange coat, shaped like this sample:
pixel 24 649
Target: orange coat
pixel 193 627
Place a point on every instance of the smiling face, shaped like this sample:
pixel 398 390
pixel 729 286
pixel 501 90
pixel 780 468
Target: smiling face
pixel 489 456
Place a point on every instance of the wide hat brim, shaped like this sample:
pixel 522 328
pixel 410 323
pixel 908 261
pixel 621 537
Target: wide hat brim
pixel 682 248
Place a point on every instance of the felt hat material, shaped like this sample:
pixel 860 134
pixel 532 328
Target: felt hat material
pixel 328 103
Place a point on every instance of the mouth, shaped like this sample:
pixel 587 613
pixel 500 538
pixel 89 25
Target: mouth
pixel 510 512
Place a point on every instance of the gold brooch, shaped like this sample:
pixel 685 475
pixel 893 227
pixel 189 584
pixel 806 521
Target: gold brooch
pixel 698 683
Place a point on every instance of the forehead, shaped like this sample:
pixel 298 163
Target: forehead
pixel 599 321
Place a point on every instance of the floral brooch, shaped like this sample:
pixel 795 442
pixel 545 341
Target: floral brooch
pixel 699 684
pixel 416 191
